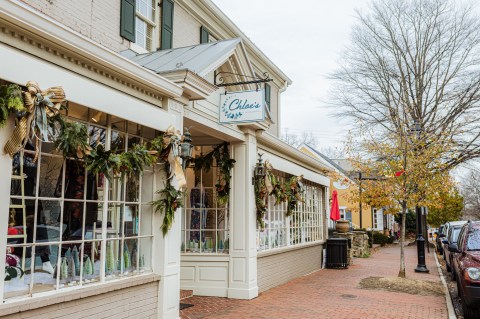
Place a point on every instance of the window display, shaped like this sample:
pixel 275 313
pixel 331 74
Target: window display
pixel 66 222
pixel 205 222
pixel 303 226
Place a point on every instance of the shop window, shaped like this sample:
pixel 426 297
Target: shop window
pixel 66 223
pixel 205 222
pixel 303 226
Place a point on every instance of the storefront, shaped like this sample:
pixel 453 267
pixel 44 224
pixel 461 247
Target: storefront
pixel 77 237
pixel 81 238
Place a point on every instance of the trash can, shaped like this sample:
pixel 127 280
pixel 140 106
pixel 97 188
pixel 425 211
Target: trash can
pixel 337 252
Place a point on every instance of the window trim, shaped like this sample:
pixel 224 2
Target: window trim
pixel 101 278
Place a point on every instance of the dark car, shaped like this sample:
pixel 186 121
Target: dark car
pixel 451 239
pixel 466 264
pixel 438 240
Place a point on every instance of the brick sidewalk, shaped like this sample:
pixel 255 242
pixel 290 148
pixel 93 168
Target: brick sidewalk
pixel 333 293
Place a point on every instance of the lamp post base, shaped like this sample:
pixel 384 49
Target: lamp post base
pixel 421 267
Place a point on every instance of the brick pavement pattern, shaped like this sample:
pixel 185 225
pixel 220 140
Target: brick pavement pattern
pixel 334 293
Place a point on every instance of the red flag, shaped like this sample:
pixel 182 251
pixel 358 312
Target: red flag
pixel 400 173
pixel 334 210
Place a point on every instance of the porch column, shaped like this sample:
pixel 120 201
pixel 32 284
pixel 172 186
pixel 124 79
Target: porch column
pixel 166 250
pixel 243 250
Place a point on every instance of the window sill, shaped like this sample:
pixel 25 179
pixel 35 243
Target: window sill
pixel 285 249
pixel 31 303
pixel 137 49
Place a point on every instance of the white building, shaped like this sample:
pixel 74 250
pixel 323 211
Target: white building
pixel 130 69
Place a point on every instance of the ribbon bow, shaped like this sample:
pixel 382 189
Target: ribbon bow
pixel 34 124
pixel 172 138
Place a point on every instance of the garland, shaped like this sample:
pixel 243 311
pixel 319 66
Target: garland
pixel 165 146
pixel 221 155
pixel 10 101
pixel 290 192
pixel 38 118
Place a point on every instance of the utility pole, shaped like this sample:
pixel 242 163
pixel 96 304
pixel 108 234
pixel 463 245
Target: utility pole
pixel 360 198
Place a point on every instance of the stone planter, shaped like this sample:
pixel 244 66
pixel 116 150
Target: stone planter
pixel 342 226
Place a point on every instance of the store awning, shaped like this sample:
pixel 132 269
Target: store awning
pixel 199 59
pixel 188 66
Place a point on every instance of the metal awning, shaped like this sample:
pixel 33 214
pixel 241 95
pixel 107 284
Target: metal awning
pixel 199 59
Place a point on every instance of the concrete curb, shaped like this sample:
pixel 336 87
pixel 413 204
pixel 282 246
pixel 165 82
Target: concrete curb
pixel 450 309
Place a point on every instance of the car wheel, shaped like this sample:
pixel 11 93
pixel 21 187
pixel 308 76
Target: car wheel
pixel 469 312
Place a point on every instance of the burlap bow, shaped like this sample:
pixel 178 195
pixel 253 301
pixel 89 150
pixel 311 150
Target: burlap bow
pixel 172 138
pixel 34 124
pixel 268 182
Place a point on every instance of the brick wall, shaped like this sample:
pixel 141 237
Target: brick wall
pixel 98 20
pixel 133 302
pixel 274 270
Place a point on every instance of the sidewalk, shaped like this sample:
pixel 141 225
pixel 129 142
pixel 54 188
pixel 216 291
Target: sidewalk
pixel 334 293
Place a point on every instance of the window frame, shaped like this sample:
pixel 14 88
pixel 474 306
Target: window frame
pixel 150 44
pixel 103 203
pixel 303 214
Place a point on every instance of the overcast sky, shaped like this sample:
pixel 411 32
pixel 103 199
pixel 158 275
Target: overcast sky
pixel 304 39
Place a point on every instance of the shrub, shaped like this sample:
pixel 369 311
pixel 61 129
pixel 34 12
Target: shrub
pixel 380 239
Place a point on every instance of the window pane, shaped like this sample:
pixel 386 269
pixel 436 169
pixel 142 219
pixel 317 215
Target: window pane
pixel 145 255
pixel 50 176
pixel 131 220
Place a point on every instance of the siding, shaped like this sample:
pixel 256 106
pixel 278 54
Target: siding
pixel 133 302
pixel 280 268
pixel 98 20
pixel 186 30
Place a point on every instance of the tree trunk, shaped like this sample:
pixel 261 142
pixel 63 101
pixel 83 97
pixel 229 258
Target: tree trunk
pixel 401 273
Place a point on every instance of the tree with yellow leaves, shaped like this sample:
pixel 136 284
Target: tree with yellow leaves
pixel 405 170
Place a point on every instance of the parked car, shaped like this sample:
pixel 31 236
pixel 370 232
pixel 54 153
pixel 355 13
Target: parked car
pixel 466 264
pixel 438 240
pixel 451 238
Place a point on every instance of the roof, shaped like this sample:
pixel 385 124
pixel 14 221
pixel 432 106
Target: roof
pixel 327 159
pixel 200 59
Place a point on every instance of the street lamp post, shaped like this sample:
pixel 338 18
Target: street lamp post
pixel 421 266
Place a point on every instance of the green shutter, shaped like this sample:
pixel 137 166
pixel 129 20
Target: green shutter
pixel 127 20
pixel 204 35
pixel 167 24
pixel 267 94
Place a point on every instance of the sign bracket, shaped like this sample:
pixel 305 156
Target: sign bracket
pixel 219 79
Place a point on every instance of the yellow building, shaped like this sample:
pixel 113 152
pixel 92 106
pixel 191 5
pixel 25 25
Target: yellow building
pixel 348 210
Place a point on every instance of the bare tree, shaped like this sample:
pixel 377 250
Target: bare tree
pixel 296 140
pixel 420 58
pixel 470 189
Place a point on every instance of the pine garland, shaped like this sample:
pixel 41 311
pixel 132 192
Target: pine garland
pixel 11 100
pixel 290 192
pixel 221 154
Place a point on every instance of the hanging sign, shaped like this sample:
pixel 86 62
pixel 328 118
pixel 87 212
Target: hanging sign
pixel 242 107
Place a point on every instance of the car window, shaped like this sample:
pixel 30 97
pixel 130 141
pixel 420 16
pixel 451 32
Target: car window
pixel 461 239
pixel 456 232
pixel 473 242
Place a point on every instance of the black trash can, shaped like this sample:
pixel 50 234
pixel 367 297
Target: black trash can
pixel 337 250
